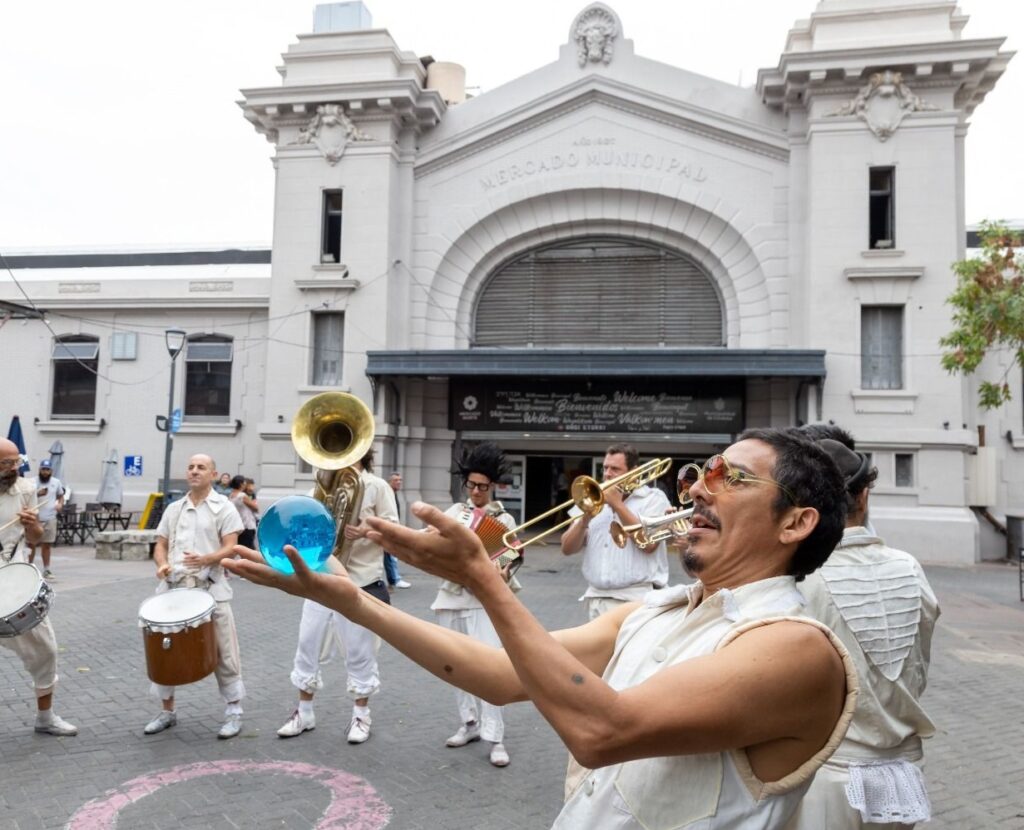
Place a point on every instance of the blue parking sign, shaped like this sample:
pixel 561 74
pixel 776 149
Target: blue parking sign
pixel 133 465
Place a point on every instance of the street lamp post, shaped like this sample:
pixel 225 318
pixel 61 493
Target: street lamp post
pixel 175 340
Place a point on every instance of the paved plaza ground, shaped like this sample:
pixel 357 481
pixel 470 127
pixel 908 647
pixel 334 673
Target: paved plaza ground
pixel 111 775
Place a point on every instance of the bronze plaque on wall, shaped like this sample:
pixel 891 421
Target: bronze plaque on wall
pixel 661 405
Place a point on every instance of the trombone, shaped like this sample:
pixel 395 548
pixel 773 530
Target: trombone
pixel 588 495
pixel 652 529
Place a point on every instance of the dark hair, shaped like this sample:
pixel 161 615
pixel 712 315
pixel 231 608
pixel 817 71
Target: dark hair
pixel 250 480
pixel 487 459
pixel 628 450
pixel 803 468
pixel 367 460
pixel 237 483
pixel 865 476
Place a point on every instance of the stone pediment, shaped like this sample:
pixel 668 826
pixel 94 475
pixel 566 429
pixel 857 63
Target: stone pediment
pixel 587 95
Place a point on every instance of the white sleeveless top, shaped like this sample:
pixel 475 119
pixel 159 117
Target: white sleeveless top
pixel 711 791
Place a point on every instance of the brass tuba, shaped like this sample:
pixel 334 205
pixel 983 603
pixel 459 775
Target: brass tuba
pixel 331 432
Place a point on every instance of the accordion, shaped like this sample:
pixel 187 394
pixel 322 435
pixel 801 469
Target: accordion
pixel 483 522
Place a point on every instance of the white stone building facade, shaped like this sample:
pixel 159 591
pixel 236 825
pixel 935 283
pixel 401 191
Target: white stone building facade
pixel 605 249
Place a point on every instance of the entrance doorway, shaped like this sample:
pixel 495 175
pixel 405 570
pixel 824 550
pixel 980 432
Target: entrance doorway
pixel 548 479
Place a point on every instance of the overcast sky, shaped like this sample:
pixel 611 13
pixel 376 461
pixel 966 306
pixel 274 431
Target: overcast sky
pixel 119 125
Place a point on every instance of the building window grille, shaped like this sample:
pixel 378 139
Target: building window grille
pixel 882 211
pixel 208 361
pixel 881 347
pixel 904 470
pixel 330 243
pixel 75 367
pixel 328 348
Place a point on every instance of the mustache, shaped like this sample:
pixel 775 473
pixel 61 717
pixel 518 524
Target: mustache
pixel 703 511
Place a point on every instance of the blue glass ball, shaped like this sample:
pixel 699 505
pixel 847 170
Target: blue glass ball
pixel 299 521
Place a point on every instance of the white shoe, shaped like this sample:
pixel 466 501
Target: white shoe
pixel 165 720
pixel 467 733
pixel 56 726
pixel 232 726
pixel 297 724
pixel 403 584
pixel 359 730
pixel 499 755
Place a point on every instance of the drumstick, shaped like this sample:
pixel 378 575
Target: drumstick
pixel 13 521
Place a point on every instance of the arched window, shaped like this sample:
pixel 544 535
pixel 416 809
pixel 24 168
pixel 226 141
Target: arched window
pixel 75 364
pixel 208 360
pixel 599 292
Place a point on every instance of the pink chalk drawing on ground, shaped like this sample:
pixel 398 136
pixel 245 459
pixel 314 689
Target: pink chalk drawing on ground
pixel 354 805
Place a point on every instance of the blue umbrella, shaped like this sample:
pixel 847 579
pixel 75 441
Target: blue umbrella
pixel 14 434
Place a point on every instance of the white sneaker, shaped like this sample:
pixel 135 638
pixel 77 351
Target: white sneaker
pixel 403 584
pixel 165 720
pixel 297 724
pixel 359 730
pixel 499 755
pixel 232 726
pixel 467 733
pixel 56 726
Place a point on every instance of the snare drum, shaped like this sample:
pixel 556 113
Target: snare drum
pixel 178 635
pixel 25 599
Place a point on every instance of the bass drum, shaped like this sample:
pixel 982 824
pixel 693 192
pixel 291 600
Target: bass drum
pixel 25 599
pixel 178 635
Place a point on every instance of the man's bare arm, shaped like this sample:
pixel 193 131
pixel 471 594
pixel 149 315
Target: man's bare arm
pixel 575 536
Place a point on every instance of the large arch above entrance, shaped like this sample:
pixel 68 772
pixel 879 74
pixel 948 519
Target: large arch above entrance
pixel 443 305
pixel 599 291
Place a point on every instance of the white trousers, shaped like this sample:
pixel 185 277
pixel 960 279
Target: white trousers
pixel 475 623
pixel 37 649
pixel 596 606
pixel 229 660
pixel 322 633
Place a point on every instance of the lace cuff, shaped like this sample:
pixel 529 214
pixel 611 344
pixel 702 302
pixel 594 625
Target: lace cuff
pixel 892 791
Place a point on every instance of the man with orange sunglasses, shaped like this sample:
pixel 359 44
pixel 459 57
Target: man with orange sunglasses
pixel 707 705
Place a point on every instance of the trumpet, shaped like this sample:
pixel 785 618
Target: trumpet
pixel 652 529
pixel 588 495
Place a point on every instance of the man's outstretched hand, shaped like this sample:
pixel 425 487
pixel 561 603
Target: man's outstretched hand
pixel 333 588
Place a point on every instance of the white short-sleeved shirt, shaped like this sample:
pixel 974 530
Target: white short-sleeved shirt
pixel 624 573
pixel 190 528
pixel 48 500
pixel 20 495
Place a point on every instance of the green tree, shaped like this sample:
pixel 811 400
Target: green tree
pixel 988 310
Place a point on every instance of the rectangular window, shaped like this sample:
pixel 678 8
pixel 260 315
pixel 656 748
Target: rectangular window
pixel 208 363
pixel 882 210
pixel 330 243
pixel 75 364
pixel 123 345
pixel 904 470
pixel 881 347
pixel 328 348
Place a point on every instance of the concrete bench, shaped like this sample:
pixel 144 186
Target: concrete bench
pixel 128 545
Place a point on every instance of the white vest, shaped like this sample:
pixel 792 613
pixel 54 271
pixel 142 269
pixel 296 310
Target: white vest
pixel 712 791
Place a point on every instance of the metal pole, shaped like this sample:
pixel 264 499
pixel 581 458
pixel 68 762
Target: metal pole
pixel 168 436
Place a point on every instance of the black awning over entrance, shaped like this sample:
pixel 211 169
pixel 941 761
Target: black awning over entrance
pixel 690 363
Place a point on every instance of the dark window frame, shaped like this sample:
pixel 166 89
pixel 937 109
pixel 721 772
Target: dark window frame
pixel 881 208
pixel 331 223
pixel 74 390
pixel 207 393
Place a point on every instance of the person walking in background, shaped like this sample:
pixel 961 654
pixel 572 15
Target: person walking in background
pixel 247 509
pixel 223 484
pixel 50 498
pixel 390 562
pixel 196 534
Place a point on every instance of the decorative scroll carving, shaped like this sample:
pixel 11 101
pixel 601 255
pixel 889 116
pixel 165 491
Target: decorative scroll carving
pixel 330 130
pixel 883 103
pixel 594 30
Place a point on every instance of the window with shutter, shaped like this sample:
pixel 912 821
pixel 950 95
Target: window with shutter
pixel 881 347
pixel 599 292
pixel 208 361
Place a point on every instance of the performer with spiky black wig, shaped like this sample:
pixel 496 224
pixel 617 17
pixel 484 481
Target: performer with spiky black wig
pixel 480 469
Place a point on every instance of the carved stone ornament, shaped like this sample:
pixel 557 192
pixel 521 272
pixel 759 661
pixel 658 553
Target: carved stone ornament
pixel 884 103
pixel 594 30
pixel 330 131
